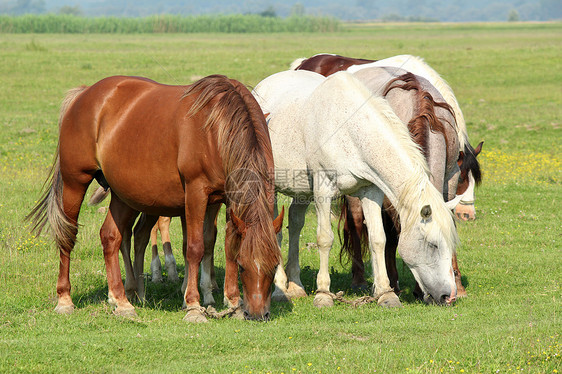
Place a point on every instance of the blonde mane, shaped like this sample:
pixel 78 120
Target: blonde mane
pixel 417 191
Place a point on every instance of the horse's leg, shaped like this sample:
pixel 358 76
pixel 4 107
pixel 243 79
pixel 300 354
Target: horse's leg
pixel 169 260
pixel 355 216
pixel 280 293
pixel 297 212
pixel 195 209
pixel 130 277
pixel 461 291
pixel 119 220
pixel 391 245
pixel 214 283
pixel 371 201
pixel 142 233
pixel 231 290
pixel 184 251
pixel 72 197
pixel 155 265
pixel 324 239
pixel 209 237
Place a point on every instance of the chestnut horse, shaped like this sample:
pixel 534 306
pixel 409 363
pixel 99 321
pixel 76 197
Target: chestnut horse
pixel 218 150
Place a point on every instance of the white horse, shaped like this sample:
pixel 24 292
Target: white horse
pixel 331 136
pixel 470 169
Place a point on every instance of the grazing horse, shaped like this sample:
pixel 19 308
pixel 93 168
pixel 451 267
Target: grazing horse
pixel 327 64
pixel 218 151
pixel 470 175
pixel 432 126
pixel 331 136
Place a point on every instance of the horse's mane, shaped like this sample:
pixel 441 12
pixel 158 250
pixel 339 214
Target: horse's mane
pixel 245 149
pixel 417 191
pixel 470 163
pixel 447 92
pixel 425 118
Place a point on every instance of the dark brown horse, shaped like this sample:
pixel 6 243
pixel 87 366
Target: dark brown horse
pixel 354 232
pixel 218 151
pixel 327 64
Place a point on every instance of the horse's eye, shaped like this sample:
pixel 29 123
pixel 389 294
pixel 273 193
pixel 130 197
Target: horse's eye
pixel 432 246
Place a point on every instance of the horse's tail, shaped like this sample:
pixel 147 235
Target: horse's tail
pixel 98 196
pixel 349 231
pixel 50 208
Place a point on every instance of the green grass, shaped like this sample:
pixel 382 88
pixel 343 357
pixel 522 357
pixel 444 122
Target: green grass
pixel 507 79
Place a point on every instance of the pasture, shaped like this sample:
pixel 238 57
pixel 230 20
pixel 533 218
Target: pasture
pixel 507 78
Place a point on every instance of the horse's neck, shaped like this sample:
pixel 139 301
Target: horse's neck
pixel 366 139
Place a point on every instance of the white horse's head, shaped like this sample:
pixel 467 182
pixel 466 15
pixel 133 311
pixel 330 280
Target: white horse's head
pixel 426 245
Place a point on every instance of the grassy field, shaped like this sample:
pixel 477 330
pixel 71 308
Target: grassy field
pixel 508 81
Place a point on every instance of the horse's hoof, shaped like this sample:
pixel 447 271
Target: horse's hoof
pixel 64 309
pixel 170 265
pixel 389 300
pixel 239 315
pixel 279 297
pixel 195 316
pixel 322 300
pixel 173 277
pixel 208 300
pixel 131 296
pixel 295 291
pixel 125 311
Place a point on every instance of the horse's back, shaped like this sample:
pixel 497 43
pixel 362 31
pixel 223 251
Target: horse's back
pixel 136 132
pixel 284 87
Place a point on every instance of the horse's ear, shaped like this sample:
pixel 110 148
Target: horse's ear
pixel 426 212
pixel 478 149
pixel 278 222
pixel 460 159
pixel 239 225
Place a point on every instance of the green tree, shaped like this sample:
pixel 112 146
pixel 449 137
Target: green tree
pixel 513 16
pixel 269 12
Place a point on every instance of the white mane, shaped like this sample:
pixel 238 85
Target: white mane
pixel 295 64
pixel 417 190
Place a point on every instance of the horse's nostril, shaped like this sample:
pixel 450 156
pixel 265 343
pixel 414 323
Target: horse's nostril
pixel 266 316
pixel 447 299
pixel 246 315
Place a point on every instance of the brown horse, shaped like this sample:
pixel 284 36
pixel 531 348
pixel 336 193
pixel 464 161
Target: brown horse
pixel 327 64
pixel 218 150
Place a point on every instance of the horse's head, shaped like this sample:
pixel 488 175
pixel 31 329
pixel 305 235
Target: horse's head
pixel 470 177
pixel 427 250
pixel 257 261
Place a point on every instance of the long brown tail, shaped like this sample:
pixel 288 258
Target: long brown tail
pixel 349 230
pixel 50 207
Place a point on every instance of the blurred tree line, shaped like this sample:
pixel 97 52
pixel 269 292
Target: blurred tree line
pixel 353 10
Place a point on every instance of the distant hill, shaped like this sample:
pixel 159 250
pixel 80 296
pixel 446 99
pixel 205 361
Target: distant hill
pixel 352 10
